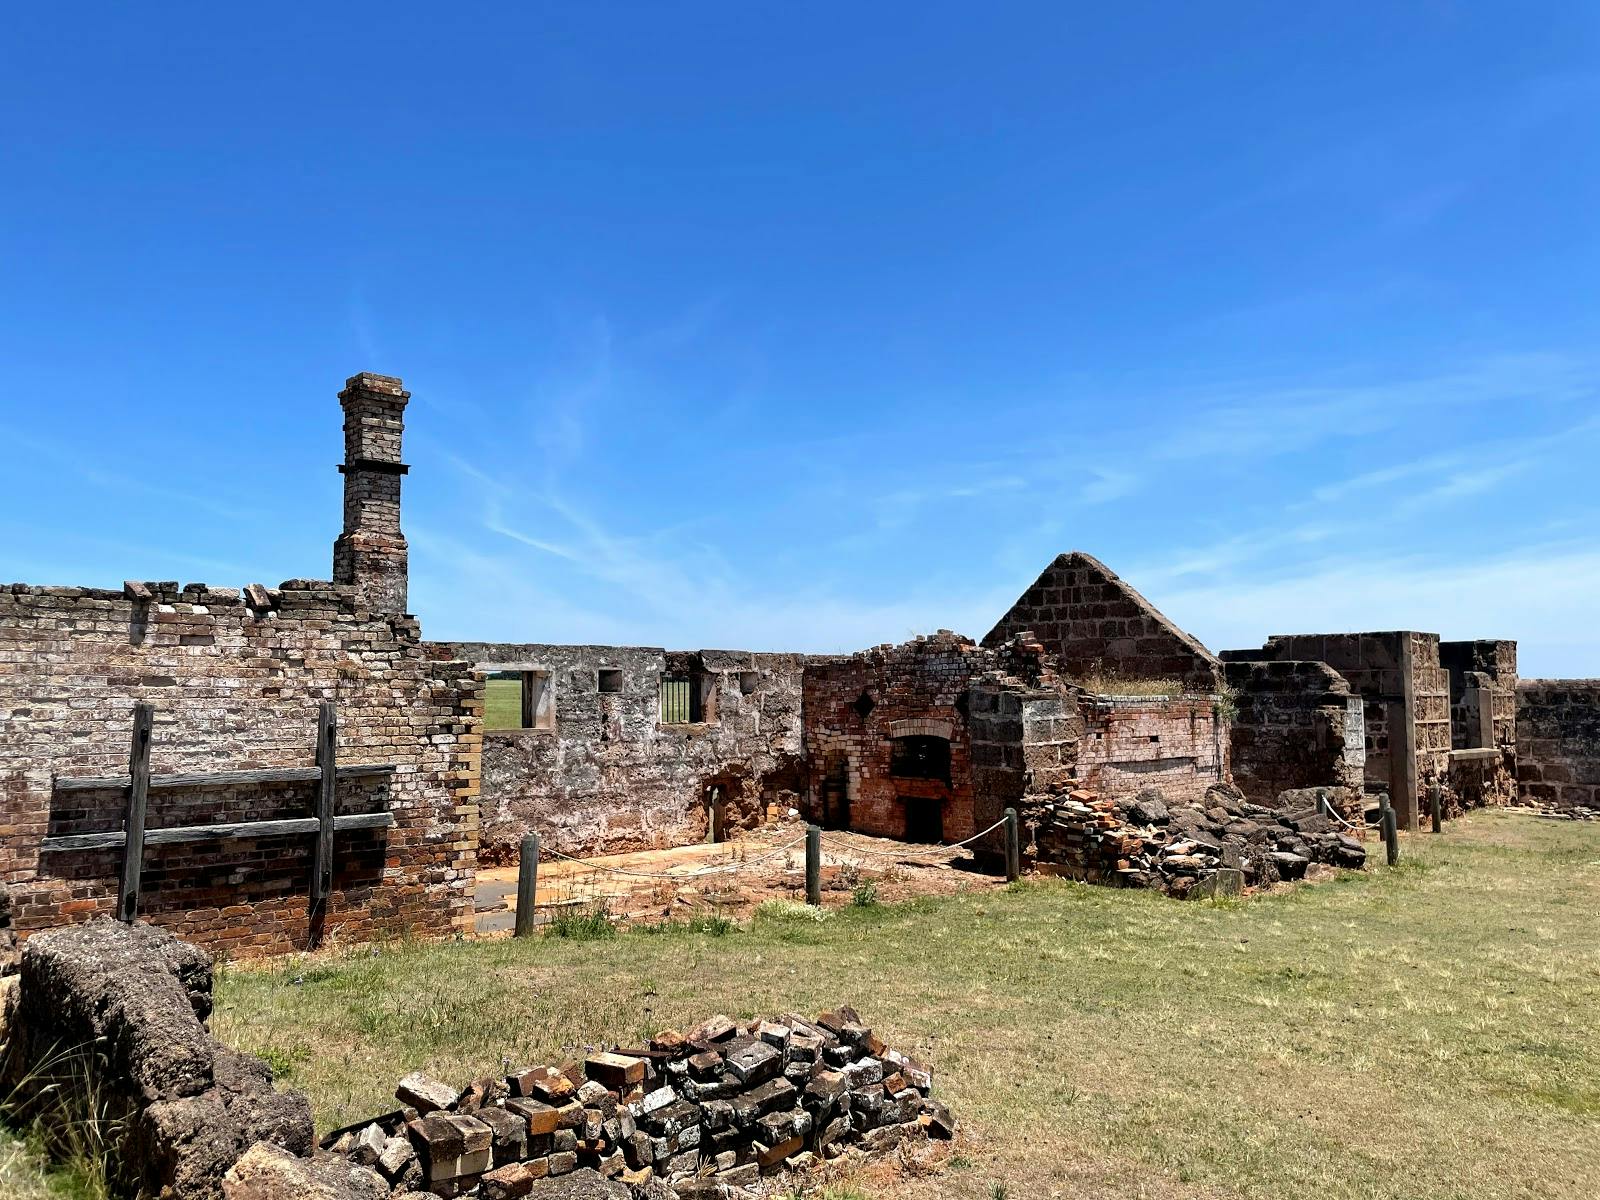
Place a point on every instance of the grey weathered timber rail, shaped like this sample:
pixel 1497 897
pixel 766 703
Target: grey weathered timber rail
pixel 187 779
pixel 217 833
pixel 138 783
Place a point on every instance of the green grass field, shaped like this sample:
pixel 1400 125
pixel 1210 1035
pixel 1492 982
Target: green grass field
pixel 1427 1031
pixel 502 703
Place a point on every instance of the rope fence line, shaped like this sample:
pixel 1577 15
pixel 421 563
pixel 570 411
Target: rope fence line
pixel 847 849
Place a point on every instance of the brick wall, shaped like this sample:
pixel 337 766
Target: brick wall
pixel 1405 703
pixel 1094 623
pixel 1296 725
pixel 609 775
pixel 1495 661
pixel 1558 742
pixel 234 688
pixel 236 678
pixel 854 709
pixel 1177 745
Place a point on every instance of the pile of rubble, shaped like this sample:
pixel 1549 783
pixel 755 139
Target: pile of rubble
pixel 1184 850
pixel 705 1114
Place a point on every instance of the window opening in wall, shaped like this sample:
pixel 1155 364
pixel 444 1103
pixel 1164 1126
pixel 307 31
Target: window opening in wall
pixel 749 681
pixel 518 700
pixel 502 700
pixel 864 704
pixel 610 680
pixel 680 700
pixel 920 757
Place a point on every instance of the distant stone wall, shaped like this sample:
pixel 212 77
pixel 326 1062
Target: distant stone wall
pixel 1093 623
pixel 605 773
pixel 122 1008
pixel 1296 725
pixel 1558 743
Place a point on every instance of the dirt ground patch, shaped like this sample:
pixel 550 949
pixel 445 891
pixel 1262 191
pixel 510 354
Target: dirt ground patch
pixel 732 879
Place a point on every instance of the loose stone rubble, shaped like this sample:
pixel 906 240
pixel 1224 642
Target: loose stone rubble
pixel 1218 847
pixel 702 1114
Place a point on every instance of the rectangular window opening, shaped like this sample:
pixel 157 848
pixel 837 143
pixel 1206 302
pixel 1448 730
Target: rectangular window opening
pixel 518 700
pixel 680 700
pixel 610 680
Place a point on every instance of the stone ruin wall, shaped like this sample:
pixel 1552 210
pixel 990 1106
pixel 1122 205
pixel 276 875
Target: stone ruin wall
pixel 1175 744
pixel 1296 725
pixel 609 775
pixel 1014 724
pixel 1093 623
pixel 1405 695
pixel 1558 743
pixel 235 678
pixel 855 707
pixel 234 687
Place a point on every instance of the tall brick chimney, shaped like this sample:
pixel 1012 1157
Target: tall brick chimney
pixel 371 552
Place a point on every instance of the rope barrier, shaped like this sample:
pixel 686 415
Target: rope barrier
pixel 847 849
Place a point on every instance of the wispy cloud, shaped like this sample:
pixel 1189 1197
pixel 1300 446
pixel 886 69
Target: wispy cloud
pixel 1541 595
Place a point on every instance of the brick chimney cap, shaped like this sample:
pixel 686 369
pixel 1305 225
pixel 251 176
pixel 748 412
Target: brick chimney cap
pixel 366 381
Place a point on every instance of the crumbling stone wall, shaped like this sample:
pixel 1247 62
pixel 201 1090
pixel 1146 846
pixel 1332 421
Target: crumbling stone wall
pixel 1177 744
pixel 609 775
pixel 1406 703
pixel 1483 692
pixel 236 677
pixel 113 1016
pixel 1013 722
pixel 857 707
pixel 1558 743
pixel 1093 623
pixel 1296 725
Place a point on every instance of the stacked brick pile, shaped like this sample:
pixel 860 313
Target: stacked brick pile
pixel 1221 845
pixel 697 1115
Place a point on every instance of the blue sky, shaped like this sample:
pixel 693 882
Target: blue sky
pixel 811 327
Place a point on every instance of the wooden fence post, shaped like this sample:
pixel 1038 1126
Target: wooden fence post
pixel 1013 847
pixel 1389 826
pixel 133 825
pixel 327 792
pixel 814 865
pixel 527 885
pixel 1436 794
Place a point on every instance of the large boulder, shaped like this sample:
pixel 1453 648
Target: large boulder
pixel 268 1172
pixel 113 1016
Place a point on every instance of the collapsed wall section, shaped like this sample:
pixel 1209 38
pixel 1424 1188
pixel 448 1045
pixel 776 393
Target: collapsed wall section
pixel 1405 703
pixel 1296 725
pixel 1098 627
pixel 1558 743
pixel 629 747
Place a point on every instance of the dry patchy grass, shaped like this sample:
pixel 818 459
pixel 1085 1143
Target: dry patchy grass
pixel 1419 1032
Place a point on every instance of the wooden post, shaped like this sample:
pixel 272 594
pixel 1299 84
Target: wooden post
pixel 814 865
pixel 527 885
pixel 1389 826
pixel 1013 847
pixel 133 825
pixel 1436 796
pixel 327 791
